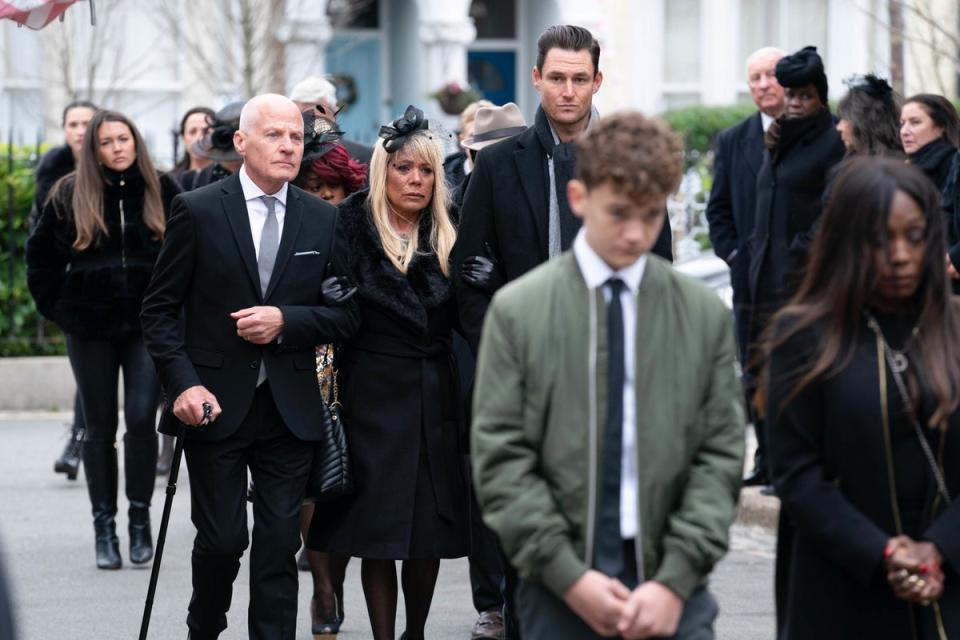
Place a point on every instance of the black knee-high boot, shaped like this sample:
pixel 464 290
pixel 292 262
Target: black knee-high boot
pixel 139 462
pixel 100 469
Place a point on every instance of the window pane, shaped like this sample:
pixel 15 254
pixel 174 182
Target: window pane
pixel 758 28
pixel 354 14
pixel 682 34
pixel 494 18
pixel 806 24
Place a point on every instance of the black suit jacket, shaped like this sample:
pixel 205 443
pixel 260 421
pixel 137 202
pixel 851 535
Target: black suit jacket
pixel 506 205
pixel 733 198
pixel 206 270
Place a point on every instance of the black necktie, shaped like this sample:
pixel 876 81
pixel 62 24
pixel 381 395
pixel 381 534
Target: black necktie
pixel 608 545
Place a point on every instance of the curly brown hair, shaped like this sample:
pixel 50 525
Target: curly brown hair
pixel 636 155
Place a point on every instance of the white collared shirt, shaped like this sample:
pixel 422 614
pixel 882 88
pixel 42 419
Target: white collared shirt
pixel 257 208
pixel 596 272
pixel 766 121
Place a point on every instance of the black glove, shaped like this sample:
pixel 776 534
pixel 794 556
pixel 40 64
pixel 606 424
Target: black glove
pixel 480 272
pixel 337 291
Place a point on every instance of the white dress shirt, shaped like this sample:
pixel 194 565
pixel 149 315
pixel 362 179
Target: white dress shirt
pixel 596 272
pixel 766 121
pixel 257 208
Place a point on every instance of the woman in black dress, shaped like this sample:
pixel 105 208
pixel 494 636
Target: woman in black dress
pixel 930 131
pixel 89 261
pixel 864 428
pixel 398 384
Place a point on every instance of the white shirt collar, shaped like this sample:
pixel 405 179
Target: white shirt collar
pixel 251 191
pixel 766 121
pixel 596 272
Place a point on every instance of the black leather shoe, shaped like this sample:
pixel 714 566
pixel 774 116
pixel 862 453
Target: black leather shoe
pixel 69 460
pixel 757 478
pixel 768 490
pixel 141 542
pixel 108 546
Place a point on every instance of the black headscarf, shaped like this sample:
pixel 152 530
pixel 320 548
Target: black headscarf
pixel 802 68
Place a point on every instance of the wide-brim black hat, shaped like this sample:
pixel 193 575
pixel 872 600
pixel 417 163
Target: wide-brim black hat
pixel 217 145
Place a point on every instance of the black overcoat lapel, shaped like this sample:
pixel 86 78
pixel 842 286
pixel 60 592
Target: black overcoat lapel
pixel 751 144
pixel 235 208
pixel 291 228
pixel 529 160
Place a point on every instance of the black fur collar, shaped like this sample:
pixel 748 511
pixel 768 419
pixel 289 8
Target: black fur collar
pixel 409 296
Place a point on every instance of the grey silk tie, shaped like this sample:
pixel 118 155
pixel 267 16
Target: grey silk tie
pixel 266 257
pixel 269 242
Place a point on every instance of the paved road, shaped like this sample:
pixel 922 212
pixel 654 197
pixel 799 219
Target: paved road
pixel 47 537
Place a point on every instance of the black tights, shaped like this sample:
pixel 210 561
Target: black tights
pixel 379 577
pixel 96 367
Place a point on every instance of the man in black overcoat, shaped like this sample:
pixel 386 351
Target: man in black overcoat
pixel 231 318
pixel 517 198
pixel 732 208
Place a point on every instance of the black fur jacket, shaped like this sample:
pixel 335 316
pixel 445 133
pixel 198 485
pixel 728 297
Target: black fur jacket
pixel 418 299
pixel 96 292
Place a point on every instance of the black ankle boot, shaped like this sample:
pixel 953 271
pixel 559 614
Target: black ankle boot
pixel 69 460
pixel 141 542
pixel 108 545
pixel 100 469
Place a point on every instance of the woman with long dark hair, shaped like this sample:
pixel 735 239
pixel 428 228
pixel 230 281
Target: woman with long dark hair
pixel 194 124
pixel 88 264
pixel 864 429
pixel 869 123
pixel 930 131
pixel 398 384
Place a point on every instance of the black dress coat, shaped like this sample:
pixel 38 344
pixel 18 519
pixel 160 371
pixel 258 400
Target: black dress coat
pixel 828 463
pixel 96 292
pixel 940 161
pixel 732 209
pixel 790 190
pixel 401 408
pixel 206 270
pixel 54 164
pixel 507 206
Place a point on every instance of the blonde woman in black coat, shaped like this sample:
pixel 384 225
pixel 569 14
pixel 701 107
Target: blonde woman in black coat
pixel 88 264
pixel 398 384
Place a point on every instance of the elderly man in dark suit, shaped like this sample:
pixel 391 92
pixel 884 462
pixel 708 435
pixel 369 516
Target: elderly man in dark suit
pixel 246 262
pixel 732 208
pixel 516 202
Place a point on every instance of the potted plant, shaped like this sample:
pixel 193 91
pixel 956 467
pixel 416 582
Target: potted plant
pixel 454 97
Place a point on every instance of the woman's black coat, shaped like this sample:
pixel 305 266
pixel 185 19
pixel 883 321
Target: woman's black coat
pixel 790 187
pixel 828 463
pixel 96 292
pixel 940 161
pixel 401 408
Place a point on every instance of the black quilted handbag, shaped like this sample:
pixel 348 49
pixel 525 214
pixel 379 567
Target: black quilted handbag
pixel 330 475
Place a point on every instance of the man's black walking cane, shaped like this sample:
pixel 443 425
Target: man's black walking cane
pixel 165 521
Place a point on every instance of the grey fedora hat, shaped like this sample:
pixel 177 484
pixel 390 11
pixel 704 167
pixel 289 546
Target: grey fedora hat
pixel 494 124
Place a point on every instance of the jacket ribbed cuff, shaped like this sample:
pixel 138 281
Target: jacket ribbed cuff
pixel 563 569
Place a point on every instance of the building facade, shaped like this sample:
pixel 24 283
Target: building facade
pixel 153 59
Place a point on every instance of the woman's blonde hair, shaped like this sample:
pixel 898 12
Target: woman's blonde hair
pixel 421 146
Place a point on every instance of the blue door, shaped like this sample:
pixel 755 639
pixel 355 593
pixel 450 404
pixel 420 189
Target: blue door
pixel 493 73
pixel 353 61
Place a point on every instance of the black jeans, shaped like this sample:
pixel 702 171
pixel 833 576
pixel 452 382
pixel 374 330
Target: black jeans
pixel 96 367
pixel 279 464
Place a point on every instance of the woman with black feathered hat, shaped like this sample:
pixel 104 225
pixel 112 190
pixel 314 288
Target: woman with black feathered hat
pixel 869 115
pixel 930 131
pixel 398 383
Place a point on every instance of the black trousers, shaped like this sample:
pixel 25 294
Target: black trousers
pixel 96 367
pixel 486 571
pixel 543 616
pixel 279 464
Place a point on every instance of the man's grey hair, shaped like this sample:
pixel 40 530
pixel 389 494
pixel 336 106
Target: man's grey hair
pixel 315 90
pixel 763 52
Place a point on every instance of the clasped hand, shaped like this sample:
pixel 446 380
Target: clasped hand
pixel 913 569
pixel 609 608
pixel 259 325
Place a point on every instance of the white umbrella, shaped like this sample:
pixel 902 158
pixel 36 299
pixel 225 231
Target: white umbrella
pixel 36 14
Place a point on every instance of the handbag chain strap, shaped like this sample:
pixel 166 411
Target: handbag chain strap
pixel 902 389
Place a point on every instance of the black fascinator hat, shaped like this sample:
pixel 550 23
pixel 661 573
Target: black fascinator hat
pixel 320 133
pixel 802 68
pixel 396 134
pixel 217 145
pixel 874 86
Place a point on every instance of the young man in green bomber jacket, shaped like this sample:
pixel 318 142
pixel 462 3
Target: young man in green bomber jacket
pixel 608 428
